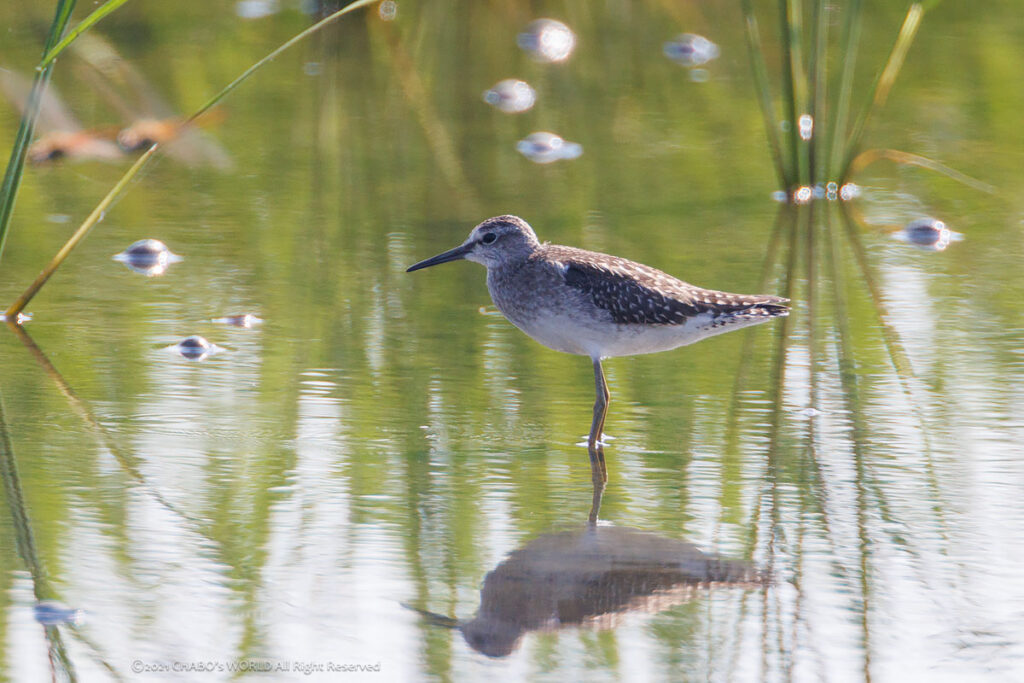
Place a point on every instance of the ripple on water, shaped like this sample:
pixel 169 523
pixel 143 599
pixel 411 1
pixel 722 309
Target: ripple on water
pixel 195 348
pixel 149 257
pixel 929 234
pixel 545 148
pixel 690 49
pixel 547 40
pixel 511 96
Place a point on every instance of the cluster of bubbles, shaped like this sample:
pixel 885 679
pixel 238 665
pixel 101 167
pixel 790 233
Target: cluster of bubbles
pixel 151 257
pixel 928 234
pixel 544 148
pixel 831 191
pixel 692 51
pixel 551 41
pixel 548 41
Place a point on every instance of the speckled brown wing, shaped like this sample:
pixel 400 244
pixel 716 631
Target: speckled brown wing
pixel 637 294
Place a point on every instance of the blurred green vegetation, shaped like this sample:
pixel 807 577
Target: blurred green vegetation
pixel 449 435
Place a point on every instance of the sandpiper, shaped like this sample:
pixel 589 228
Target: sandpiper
pixel 596 305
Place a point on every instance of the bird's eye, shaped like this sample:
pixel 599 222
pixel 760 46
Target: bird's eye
pixel 488 238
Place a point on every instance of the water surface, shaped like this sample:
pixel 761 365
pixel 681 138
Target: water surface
pixel 385 439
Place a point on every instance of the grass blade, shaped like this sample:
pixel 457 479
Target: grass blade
pixel 790 43
pixel 87 23
pixel 273 55
pixel 870 156
pixel 764 94
pixel 884 82
pixel 848 51
pixel 794 81
pixel 95 217
pixel 816 68
pixel 97 214
pixel 16 164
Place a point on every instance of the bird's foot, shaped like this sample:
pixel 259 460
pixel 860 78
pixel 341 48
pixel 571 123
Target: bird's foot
pixel 603 441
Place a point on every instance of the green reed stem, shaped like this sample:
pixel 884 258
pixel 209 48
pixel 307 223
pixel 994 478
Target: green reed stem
pixel 764 94
pixel 817 98
pixel 97 214
pixel 870 156
pixel 273 55
pixel 87 23
pixel 849 42
pixel 883 84
pixel 95 217
pixel 789 27
pixel 16 164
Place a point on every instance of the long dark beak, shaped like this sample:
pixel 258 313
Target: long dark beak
pixel 455 254
pixel 435 619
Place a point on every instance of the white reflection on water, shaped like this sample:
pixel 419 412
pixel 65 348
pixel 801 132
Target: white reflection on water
pixel 545 148
pixel 547 40
pixel 511 96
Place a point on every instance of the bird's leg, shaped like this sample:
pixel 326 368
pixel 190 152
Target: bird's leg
pixel 594 445
pixel 599 477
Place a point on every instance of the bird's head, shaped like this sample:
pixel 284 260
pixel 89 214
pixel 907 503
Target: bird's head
pixel 496 242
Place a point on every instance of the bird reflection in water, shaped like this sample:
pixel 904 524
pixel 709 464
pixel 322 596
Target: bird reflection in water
pixel 589 577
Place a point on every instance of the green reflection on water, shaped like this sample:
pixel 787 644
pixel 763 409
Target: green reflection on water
pixel 379 441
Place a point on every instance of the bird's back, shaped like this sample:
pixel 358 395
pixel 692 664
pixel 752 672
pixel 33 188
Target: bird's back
pixel 599 305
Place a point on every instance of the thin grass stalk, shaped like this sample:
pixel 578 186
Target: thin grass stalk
pixel 851 397
pixel 97 214
pixel 276 53
pixel 900 362
pixel 95 217
pixel 438 138
pixel 746 354
pixel 801 99
pixel 764 94
pixel 128 462
pixel 774 468
pixel 16 164
pixel 87 23
pixel 817 68
pixel 884 82
pixel 870 156
pixel 790 42
pixel 61 666
pixel 848 52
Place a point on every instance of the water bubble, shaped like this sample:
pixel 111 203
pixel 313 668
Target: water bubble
pixel 832 191
pixel 689 49
pixel 255 9
pixel 700 75
pixel 195 348
pixel 388 10
pixel 18 319
pixel 780 196
pixel 149 257
pixel 53 613
pixel 511 96
pixel 806 126
pixel 803 195
pixel 849 191
pixel 544 148
pixel 547 40
pixel 929 234
pixel 312 68
pixel 246 320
